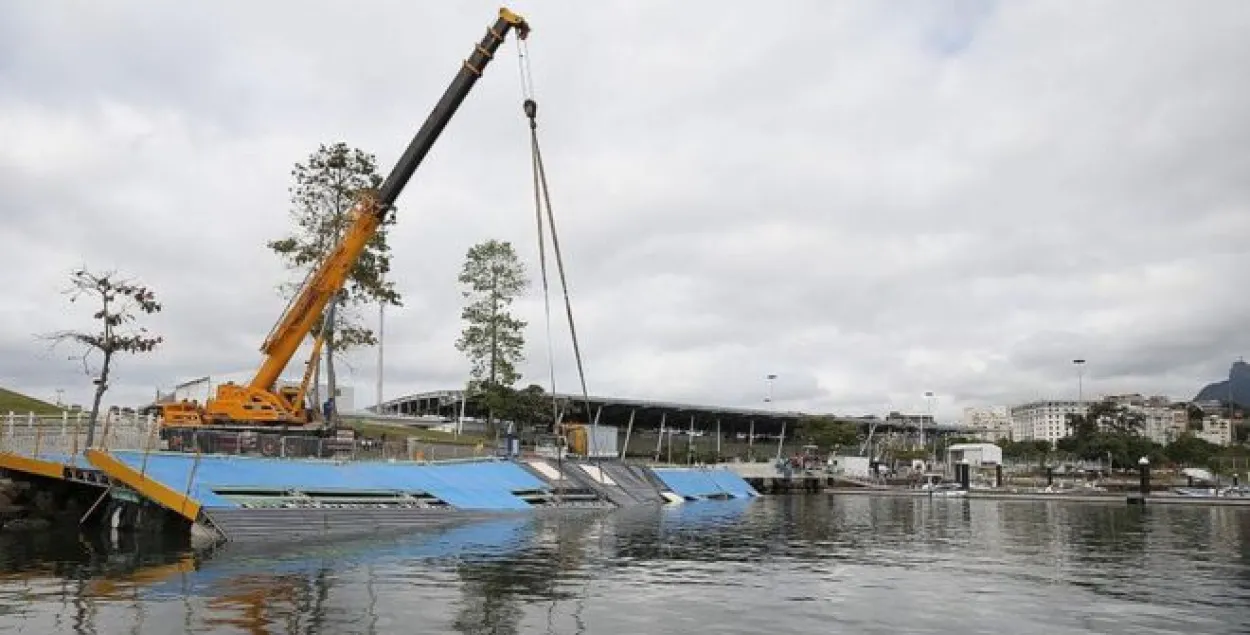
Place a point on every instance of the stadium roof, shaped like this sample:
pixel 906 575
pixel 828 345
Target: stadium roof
pixel 612 410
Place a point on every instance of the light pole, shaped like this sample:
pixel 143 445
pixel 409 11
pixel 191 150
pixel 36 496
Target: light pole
pixel 381 339
pixel 768 401
pixel 928 396
pixel 1080 380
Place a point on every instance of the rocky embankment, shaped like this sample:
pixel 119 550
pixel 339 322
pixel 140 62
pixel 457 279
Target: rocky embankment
pixel 24 507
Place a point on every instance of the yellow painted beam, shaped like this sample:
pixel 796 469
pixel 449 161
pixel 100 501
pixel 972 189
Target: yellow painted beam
pixel 153 489
pixel 32 466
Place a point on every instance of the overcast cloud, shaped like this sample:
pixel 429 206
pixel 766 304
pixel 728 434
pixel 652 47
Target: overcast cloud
pixel 869 199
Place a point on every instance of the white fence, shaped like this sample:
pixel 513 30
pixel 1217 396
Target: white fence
pixel 66 434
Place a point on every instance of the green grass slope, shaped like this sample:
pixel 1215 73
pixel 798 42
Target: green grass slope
pixel 21 404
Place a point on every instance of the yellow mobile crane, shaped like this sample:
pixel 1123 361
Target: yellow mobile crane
pixel 257 402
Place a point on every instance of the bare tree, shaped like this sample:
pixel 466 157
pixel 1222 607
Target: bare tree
pixel 120 301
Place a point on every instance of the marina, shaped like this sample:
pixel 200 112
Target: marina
pixel 239 491
pixel 886 322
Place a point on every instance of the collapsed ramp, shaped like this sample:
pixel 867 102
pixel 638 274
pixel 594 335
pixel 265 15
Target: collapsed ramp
pixel 647 473
pixel 636 481
pixel 575 477
pixel 696 483
pixel 252 498
pixel 603 478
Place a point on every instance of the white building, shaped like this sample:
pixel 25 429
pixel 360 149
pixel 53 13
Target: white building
pixel 975 454
pixel 1044 420
pixel 1164 421
pixel 991 423
pixel 1216 429
pixel 1165 425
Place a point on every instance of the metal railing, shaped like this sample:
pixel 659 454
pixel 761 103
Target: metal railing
pixel 60 436
pixel 43 436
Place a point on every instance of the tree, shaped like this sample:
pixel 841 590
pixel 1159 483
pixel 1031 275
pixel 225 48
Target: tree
pixel 492 338
pixel 1190 450
pixel 531 407
pixel 120 301
pixel 1106 416
pixel 1109 430
pixel 945 443
pixel 827 432
pixel 1124 421
pixel 1036 449
pixel 326 188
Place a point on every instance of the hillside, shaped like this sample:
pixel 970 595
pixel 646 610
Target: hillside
pixel 1239 377
pixel 21 404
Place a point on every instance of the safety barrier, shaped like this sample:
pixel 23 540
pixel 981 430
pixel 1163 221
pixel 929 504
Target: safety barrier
pixel 66 435
pixel 63 439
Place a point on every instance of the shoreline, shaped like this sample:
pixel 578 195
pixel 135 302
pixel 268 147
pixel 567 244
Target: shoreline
pixel 1110 497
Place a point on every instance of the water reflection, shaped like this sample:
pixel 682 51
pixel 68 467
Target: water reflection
pixel 814 563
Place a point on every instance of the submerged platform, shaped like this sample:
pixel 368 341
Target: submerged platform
pixel 236 498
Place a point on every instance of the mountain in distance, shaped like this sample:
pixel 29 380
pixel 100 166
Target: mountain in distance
pixel 1238 378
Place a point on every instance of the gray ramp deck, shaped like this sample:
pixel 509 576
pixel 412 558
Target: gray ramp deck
pixel 637 485
pixel 573 479
pixel 627 491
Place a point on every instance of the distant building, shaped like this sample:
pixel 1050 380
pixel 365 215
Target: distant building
pixel 904 420
pixel 1169 431
pixel 1164 421
pixel 990 423
pixel 908 428
pixel 1216 429
pixel 1044 420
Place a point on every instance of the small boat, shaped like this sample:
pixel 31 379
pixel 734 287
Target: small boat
pixel 944 489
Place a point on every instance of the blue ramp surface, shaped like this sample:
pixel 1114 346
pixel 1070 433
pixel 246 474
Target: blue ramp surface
pixel 704 482
pixel 486 485
pixel 732 483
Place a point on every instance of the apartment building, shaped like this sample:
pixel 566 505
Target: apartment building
pixel 991 423
pixel 1216 429
pixel 1044 420
pixel 1164 420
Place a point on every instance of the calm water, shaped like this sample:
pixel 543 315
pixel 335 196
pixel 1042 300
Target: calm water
pixel 783 565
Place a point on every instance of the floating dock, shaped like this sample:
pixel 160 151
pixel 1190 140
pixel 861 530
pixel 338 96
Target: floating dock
pixel 240 497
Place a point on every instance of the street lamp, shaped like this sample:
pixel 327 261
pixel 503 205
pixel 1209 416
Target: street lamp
pixel 1080 376
pixel 928 396
pixel 769 400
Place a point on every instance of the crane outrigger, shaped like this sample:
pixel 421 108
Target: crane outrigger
pixel 259 403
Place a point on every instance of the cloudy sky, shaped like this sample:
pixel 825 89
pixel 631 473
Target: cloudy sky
pixel 870 200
